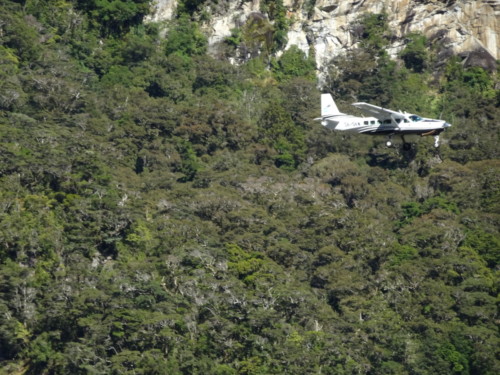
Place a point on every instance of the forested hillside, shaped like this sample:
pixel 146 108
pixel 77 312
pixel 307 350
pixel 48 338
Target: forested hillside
pixel 165 212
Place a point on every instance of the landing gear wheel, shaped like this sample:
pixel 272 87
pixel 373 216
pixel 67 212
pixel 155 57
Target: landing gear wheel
pixel 436 141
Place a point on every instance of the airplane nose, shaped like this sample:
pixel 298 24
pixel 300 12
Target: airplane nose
pixel 446 124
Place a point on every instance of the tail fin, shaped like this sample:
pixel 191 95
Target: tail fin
pixel 328 106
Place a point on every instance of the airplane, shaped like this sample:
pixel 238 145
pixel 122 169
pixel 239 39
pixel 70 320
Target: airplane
pixel 383 122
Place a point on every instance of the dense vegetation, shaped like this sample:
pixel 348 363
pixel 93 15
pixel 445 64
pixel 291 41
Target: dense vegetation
pixel 163 212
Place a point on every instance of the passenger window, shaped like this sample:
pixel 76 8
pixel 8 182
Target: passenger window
pixel 366 122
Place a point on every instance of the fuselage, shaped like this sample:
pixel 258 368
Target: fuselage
pixel 385 121
pixel 410 124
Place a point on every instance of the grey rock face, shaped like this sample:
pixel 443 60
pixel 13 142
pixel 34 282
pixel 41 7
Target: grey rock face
pixel 467 27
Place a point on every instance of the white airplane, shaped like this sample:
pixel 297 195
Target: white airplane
pixel 384 122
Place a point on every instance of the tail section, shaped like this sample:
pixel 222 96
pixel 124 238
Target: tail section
pixel 328 106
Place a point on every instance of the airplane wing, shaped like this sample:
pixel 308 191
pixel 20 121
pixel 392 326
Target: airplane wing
pixel 378 112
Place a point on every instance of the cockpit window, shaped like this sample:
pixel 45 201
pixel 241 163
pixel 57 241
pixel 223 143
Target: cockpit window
pixel 416 118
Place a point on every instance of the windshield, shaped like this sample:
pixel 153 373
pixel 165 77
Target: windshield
pixel 415 118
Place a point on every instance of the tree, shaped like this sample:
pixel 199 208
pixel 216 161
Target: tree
pixel 185 38
pixel 286 138
pixel 415 55
pixel 189 164
pixel 294 63
pixel 114 16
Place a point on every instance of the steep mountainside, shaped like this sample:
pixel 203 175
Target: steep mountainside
pixel 164 212
pixel 466 27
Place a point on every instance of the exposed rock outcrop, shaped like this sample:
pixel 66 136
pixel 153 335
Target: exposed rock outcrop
pixel 458 27
pixel 162 10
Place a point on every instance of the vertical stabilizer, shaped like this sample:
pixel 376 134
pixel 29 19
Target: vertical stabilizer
pixel 328 106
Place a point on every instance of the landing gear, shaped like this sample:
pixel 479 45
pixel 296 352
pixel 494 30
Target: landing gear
pixel 388 143
pixel 406 145
pixel 435 133
pixel 436 141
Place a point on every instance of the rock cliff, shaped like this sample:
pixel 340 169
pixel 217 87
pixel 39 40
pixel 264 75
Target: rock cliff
pixel 460 27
